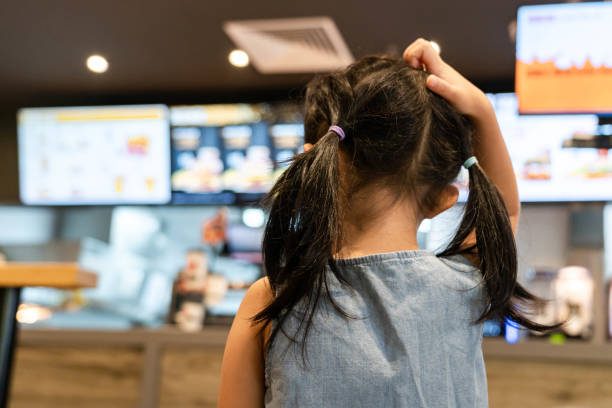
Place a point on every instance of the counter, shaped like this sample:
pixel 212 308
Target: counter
pixel 169 368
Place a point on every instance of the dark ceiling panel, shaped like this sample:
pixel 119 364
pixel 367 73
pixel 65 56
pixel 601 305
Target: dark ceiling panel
pixel 179 46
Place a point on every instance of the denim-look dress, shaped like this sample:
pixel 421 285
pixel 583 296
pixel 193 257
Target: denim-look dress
pixel 411 340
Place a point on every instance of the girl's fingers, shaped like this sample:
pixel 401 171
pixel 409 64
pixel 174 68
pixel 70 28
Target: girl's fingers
pixel 413 62
pixel 443 88
pixel 420 53
pixel 443 79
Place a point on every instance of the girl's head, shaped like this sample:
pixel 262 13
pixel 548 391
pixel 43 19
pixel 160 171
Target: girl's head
pixel 402 138
pixel 398 134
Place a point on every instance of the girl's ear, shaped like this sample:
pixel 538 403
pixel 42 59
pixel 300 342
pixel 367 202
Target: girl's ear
pixel 447 198
pixel 307 146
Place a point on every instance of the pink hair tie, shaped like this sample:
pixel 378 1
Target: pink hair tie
pixel 337 130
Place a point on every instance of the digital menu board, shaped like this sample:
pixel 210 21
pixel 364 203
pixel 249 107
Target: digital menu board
pixel 94 155
pixel 546 158
pixel 564 58
pixel 227 153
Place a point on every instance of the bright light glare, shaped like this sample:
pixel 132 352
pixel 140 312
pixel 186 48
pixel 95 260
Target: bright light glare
pixel 97 64
pixel 435 46
pixel 253 217
pixel 29 314
pixel 425 226
pixel 512 332
pixel 239 58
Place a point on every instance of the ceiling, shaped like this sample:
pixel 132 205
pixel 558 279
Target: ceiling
pixel 171 47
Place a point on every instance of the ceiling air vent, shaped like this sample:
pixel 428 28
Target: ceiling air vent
pixel 291 45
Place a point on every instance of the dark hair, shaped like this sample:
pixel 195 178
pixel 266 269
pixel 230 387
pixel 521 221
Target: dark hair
pixel 398 133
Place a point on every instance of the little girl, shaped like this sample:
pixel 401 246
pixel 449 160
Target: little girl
pixel 352 313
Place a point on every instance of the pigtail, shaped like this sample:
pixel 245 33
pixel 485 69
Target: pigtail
pixel 301 235
pixel 486 216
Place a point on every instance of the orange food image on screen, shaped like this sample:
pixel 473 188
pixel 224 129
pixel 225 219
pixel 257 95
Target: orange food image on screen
pixel 541 87
pixel 138 145
pixel 119 184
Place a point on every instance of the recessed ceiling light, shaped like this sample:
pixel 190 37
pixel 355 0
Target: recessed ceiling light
pixel 239 58
pixel 512 30
pixel 435 46
pixel 97 64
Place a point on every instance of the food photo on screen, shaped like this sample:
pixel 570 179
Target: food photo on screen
pixel 198 166
pixel 248 161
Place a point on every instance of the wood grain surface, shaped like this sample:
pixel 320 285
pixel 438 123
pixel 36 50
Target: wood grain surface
pixel 190 377
pixel 91 376
pixel 544 384
pixel 60 376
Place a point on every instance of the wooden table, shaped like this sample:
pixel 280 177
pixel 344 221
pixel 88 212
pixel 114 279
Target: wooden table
pixel 13 277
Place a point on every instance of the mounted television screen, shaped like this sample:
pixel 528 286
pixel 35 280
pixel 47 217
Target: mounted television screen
pixel 547 159
pixel 227 153
pixel 99 155
pixel 564 58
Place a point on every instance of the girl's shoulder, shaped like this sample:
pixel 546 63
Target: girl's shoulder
pixel 259 294
pixel 243 359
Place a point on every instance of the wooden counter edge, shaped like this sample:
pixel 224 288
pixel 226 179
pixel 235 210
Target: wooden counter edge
pixel 211 336
pixel 578 351
pixel 215 336
pixel 63 275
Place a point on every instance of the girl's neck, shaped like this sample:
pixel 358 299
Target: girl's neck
pixel 374 223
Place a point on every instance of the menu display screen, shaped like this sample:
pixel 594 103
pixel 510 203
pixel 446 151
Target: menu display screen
pixel 547 163
pixel 94 155
pixel 564 58
pixel 224 152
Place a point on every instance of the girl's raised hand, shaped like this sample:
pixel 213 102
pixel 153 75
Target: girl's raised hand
pixel 488 143
pixel 446 81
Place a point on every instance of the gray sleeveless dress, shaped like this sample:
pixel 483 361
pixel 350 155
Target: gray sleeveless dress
pixel 411 341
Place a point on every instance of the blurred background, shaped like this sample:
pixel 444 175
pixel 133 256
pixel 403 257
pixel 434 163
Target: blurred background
pixel 138 137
